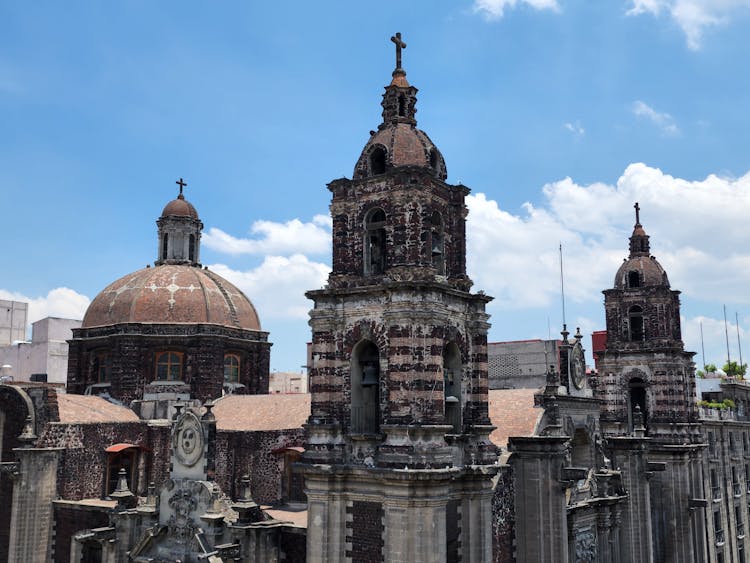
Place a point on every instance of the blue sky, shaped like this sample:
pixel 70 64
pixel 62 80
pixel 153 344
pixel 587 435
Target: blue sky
pixel 558 114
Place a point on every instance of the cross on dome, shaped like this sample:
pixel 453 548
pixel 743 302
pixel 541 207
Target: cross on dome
pixel 399 45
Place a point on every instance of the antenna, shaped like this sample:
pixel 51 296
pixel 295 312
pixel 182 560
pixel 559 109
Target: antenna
pixel 562 285
pixel 739 344
pixel 726 333
pixel 703 349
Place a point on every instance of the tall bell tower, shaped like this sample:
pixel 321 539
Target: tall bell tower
pixel 398 462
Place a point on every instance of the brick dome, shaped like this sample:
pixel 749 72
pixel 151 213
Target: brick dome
pixel 179 207
pixel 172 294
pixel 400 144
pixel 650 273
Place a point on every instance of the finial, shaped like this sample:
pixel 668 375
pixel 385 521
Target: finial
pixel 637 213
pixel 27 437
pixel 564 332
pixel 399 45
pixel 182 184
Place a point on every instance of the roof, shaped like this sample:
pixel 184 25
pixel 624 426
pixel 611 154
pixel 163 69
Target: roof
pixel 83 409
pixel 172 294
pixel 512 411
pixel 262 412
pixel 180 207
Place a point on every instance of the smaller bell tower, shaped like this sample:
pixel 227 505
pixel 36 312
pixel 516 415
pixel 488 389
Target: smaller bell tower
pixel 179 232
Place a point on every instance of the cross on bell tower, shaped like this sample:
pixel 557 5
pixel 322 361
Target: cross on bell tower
pixel 399 45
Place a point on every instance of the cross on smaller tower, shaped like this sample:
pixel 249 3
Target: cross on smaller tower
pixel 637 213
pixel 182 184
pixel 399 45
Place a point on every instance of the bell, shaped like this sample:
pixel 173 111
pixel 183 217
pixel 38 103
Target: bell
pixel 370 375
pixel 437 248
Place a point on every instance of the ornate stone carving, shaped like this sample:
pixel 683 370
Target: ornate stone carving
pixel 188 440
pixel 585 546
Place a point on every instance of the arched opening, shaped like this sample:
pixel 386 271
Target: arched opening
pixel 402 105
pixel 452 371
pixel 634 279
pixel 635 322
pixel 191 248
pixel 164 245
pixel 377 161
pixel 438 243
pixel 637 398
pixel 365 381
pixel 374 254
pixel 433 159
pixel 582 454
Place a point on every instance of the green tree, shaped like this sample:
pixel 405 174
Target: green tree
pixel 735 369
pixel 710 368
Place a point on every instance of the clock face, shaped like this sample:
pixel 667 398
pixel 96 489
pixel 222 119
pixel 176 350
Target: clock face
pixel 578 366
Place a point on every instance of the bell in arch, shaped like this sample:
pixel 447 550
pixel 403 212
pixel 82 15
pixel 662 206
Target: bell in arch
pixel 370 375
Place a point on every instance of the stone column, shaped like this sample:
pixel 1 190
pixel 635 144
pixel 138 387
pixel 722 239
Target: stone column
pixel 415 531
pixel 476 522
pixel 629 455
pixel 540 499
pixel 326 520
pixel 31 520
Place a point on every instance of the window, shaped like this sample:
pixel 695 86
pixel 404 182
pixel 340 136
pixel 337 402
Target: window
pixel 375 242
pixel 169 366
pixel 635 316
pixel 365 392
pixel 736 488
pixel 438 243
pixel 634 279
pixel 718 530
pixel 740 523
pixel 191 248
pixel 747 477
pixel 452 386
pixel 715 488
pixel 401 105
pixel 637 388
pixel 101 367
pixel 377 161
pixel 231 368
pixel 711 444
pixel 164 245
pixel 732 444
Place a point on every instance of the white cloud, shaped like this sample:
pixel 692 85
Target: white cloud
pixel 575 128
pixel 693 16
pixel 715 337
pixel 495 9
pixel 275 238
pixel 698 230
pixel 277 286
pixel 59 302
pixel 663 121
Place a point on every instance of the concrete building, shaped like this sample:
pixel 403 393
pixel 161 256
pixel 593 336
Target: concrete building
pixel 13 319
pixel 45 358
pixel 521 364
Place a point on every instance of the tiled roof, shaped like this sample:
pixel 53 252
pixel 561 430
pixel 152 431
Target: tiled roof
pixel 513 412
pixel 262 412
pixel 81 409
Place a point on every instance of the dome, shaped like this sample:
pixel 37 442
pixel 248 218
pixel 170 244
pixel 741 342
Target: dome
pixel 172 294
pixel 399 144
pixel 650 273
pixel 179 207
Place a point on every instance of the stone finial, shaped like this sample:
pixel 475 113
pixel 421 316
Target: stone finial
pixel 122 493
pixel 151 494
pixel 245 488
pixel 208 414
pixel 177 408
pixel 27 437
pixel 639 430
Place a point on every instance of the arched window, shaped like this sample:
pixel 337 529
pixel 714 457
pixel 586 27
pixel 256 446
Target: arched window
pixel 191 248
pixel 377 161
pixel 374 254
pixel 438 243
pixel 101 367
pixel 635 318
pixel 401 105
pixel 365 396
pixel 634 279
pixel 452 372
pixel 164 246
pixel 637 398
pixel 169 366
pixel 231 368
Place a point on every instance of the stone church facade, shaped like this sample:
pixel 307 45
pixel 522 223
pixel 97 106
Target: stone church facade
pixel 168 448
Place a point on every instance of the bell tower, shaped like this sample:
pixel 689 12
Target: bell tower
pixel 646 385
pixel 398 461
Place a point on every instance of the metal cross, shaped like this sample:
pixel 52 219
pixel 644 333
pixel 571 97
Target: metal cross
pixel 182 184
pixel 637 213
pixel 399 45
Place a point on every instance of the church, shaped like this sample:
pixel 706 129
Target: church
pixel 168 447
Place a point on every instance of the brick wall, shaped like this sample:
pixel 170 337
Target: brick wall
pixel 365 532
pixel 70 519
pixel 503 517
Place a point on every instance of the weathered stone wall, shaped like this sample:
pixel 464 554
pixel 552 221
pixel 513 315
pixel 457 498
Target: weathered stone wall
pixel 257 454
pixel 133 348
pixel 503 517
pixel 70 519
pixel 364 522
